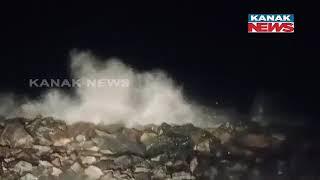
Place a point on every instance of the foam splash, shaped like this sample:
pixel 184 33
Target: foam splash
pixel 151 97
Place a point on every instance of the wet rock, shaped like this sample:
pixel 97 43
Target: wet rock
pixel 6 151
pixel 183 130
pixel 28 155
pixel 93 148
pixel 93 172
pixel 142 176
pixel 160 158
pixel 124 176
pixel 148 128
pixel 106 164
pixel 108 176
pixel 141 170
pixel 56 162
pixel 182 176
pixel 45 170
pixel 111 128
pixel 69 175
pixel 177 146
pixel 118 144
pixel 14 135
pixel 159 173
pixel 90 153
pixel 148 138
pixel 132 135
pixel 88 160
pixel 89 145
pixel 29 176
pixel 61 141
pixel 42 150
pixel 76 167
pixel 62 160
pixel 48 131
pixel 163 128
pixel 125 161
pixel 106 152
pixel 22 167
pixel 83 129
pixel 5 174
pixel 198 135
pixel 71 147
pixel 86 151
pixel 144 164
pixel 193 164
pixel 7 160
pixel 81 138
pixel 203 147
pixel 56 172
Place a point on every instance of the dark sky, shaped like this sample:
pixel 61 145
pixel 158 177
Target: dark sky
pixel 204 46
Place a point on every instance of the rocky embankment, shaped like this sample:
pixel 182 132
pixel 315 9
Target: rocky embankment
pixel 45 148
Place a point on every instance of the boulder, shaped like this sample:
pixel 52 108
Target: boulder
pixel 29 176
pixel 203 146
pixel 77 168
pixel 22 167
pixel 14 135
pixel 93 172
pixel 175 145
pixel 118 144
pixel 84 129
pixel 88 160
pixel 148 138
pixel 48 131
pixel 42 150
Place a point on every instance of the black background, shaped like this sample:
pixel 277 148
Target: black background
pixel 204 46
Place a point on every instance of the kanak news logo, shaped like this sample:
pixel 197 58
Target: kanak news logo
pixel 270 23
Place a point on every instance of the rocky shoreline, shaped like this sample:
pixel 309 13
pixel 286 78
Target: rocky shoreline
pixel 45 148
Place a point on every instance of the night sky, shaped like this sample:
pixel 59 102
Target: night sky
pixel 204 46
